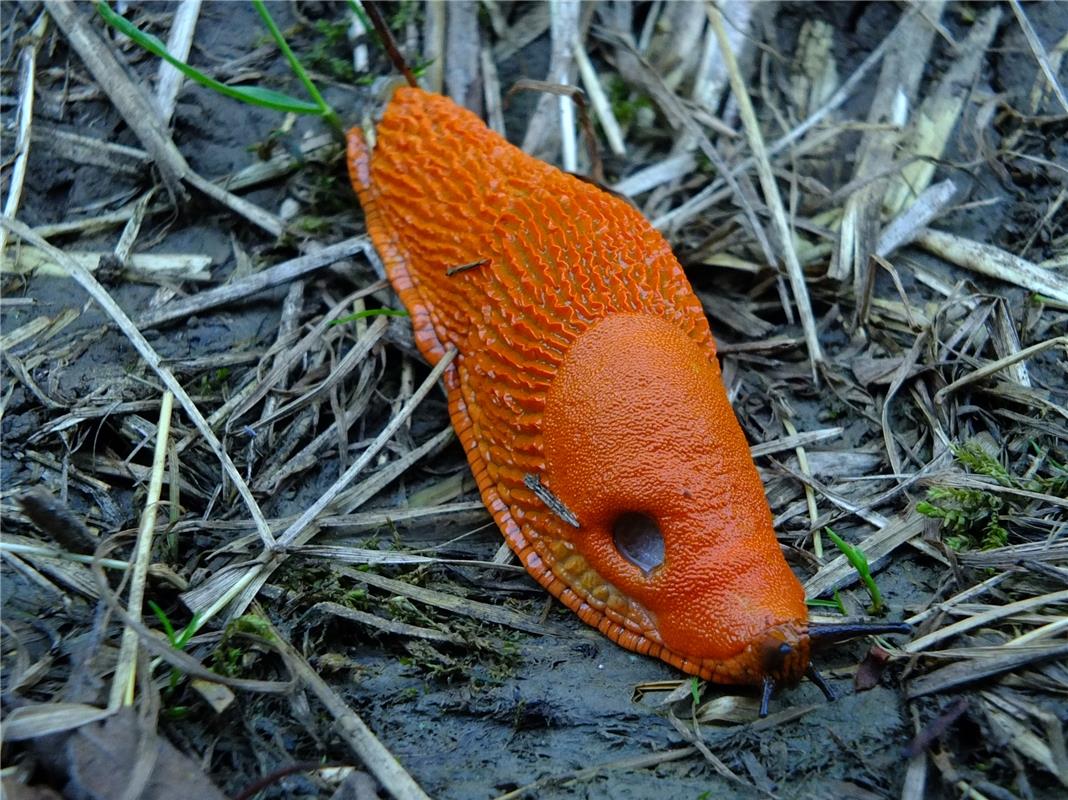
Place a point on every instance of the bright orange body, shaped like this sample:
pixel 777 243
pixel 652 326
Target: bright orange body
pixel 585 360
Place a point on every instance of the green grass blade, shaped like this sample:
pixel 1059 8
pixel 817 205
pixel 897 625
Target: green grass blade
pixel 859 561
pixel 325 109
pixel 254 95
pixel 361 15
pixel 187 633
pixel 161 615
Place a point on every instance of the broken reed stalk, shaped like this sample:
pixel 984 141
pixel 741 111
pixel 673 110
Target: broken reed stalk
pixel 241 591
pixel 27 69
pixel 1039 53
pixel 771 195
pixel 179 43
pixel 96 290
pixel 124 680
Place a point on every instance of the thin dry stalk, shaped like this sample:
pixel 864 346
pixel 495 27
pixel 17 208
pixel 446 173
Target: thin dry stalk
pixel 142 118
pixel 257 282
pixel 996 366
pixel 1039 53
pixel 997 612
pixel 130 232
pixel 24 117
pixel 179 43
pixel 124 680
pixel 771 195
pixel 996 263
pixel 599 100
pixel 564 28
pixel 491 89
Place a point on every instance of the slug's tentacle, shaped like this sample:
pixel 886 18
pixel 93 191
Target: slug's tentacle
pixel 767 690
pixel 821 683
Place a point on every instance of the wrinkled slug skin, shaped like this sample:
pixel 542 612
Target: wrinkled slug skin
pixel 585 359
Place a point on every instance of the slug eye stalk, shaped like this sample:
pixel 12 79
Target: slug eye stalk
pixel 824 634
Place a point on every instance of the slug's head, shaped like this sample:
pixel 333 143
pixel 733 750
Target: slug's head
pixel 782 653
pixel 675 543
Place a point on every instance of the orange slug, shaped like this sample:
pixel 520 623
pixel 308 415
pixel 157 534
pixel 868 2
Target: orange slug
pixel 586 393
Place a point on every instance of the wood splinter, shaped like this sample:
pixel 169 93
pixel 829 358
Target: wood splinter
pixel 552 502
pixel 465 267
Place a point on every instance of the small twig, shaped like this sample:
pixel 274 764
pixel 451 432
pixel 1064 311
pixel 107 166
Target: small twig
pixel 454 604
pixel 994 262
pixel 551 501
pixel 793 441
pixel 810 495
pixel 51 552
pixel 130 231
pixel 149 267
pixel 124 680
pixel 563 28
pixel 152 358
pixel 374 13
pixel 977 620
pixel 901 375
pixel 578 98
pixel 450 271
